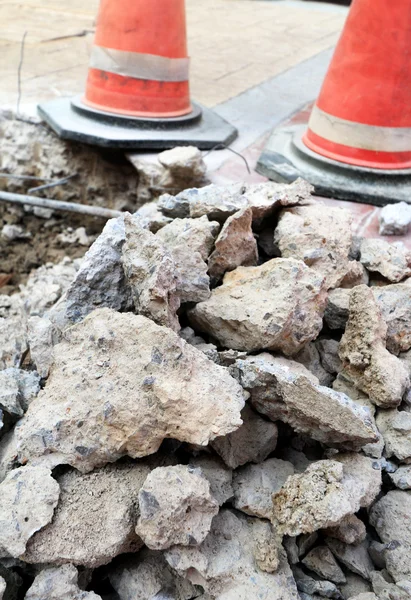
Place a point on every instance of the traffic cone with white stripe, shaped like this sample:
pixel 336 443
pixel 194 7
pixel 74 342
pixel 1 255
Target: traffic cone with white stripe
pixel 137 92
pixel 358 141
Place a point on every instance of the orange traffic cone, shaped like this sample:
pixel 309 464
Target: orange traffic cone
pixel 358 141
pixel 137 93
pixel 139 63
pixel 363 114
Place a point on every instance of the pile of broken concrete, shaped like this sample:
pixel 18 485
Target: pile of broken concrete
pixel 214 403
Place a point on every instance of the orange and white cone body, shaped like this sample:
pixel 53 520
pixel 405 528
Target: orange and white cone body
pixel 139 64
pixel 363 114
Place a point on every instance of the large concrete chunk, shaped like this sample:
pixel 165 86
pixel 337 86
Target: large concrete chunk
pixel 28 497
pixel 325 493
pixel 235 246
pixel 395 427
pixel 391 516
pixel 121 384
pixel 225 564
pixel 148 575
pixel 151 274
pixel 219 476
pixel 283 389
pixel 189 242
pixel 245 313
pixel 255 484
pixel 95 518
pixel 252 442
pixel 176 507
pixel 320 236
pixel 100 281
pixel 392 261
pixel 366 361
pixel 58 583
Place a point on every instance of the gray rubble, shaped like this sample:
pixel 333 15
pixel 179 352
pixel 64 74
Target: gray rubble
pixel 392 261
pixel 58 583
pixel 218 475
pixel 394 219
pixel 350 530
pixel 402 478
pixel 321 560
pixel 355 557
pixel 395 427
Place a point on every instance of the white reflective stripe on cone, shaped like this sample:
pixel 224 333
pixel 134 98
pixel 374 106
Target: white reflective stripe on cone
pixel 138 65
pixel 357 135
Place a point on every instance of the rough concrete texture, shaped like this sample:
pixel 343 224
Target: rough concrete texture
pixel 58 583
pixel 362 350
pixel 320 236
pixel 355 558
pixel 225 565
pixel 252 442
pixel 392 261
pixel 337 308
pixel 350 530
pixel 386 590
pixel 313 588
pixel 28 497
pixel 309 356
pixel 354 585
pixel 108 496
pixel 402 478
pixel 185 163
pixel 395 219
pixel 176 507
pixel 151 275
pixel 87 415
pixel 390 517
pixel 328 350
pixel 100 280
pixel 218 475
pixel 235 246
pixel 285 390
pixel 395 427
pixel 17 389
pixel 151 217
pixel 325 493
pixel 148 575
pixel 42 337
pixel 190 242
pixel 254 485
pixel 241 316
pixel 321 560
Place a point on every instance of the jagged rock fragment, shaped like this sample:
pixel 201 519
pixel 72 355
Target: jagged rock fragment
pixel 219 476
pixel 95 518
pixel 355 558
pixel 362 350
pixel 185 163
pixel 42 336
pixel 356 274
pixel 100 281
pixel 58 583
pixel 309 356
pixel 8 454
pixel 350 530
pixel 386 590
pixel 395 427
pixel 235 245
pixel 28 497
pixel 13 341
pixel 121 384
pixel 17 389
pixel 402 478
pixel 254 485
pixel 395 219
pixel 392 261
pixel 176 507
pixel 338 308
pixel 318 235
pixel 285 390
pixel 225 566
pixel 321 560
pixel 252 442
pixel 390 517
pixel 151 274
pixel 148 575
pixel 354 585
pixel 244 314
pixel 151 217
pixel 325 493
pixel 328 349
pixel 189 242
pixel 310 587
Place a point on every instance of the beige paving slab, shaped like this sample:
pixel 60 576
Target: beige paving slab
pixel 234 44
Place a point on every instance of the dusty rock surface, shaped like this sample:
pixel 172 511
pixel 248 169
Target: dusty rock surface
pixel 362 350
pixel 395 219
pixel 28 497
pixel 395 427
pixel 241 316
pixel 285 390
pixel 235 246
pixel 87 414
pixel 176 507
pixel 318 235
pixel 219 476
pixel 350 530
pixel 252 442
pixel 321 560
pixel 224 565
pixel 58 583
pixel 392 261
pixel 109 496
